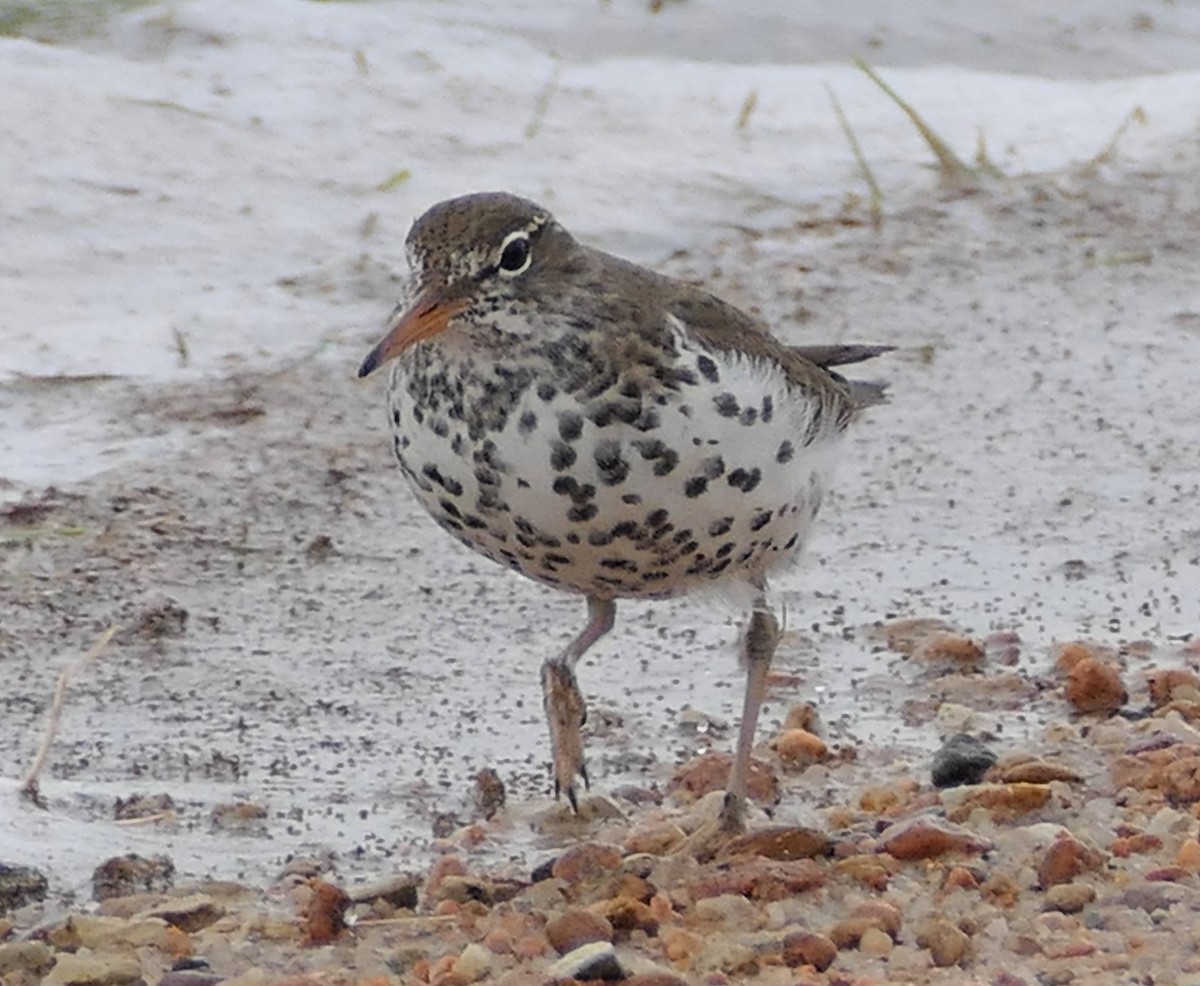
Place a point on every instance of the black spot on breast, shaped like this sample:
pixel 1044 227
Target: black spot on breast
pixel 699 566
pixel 657 518
pixel 599 539
pixel 682 536
pixel 613 468
pixel 713 467
pixel 570 425
pixel 695 486
pixel 708 368
pixel 475 523
pixel 745 480
pixel 625 529
pixel 562 456
pixel 631 388
pixel 572 537
pixel 726 549
pixel 727 405
pixel 456 444
pixel 396 416
pixel 526 423
pixel 785 452
pixel 654 576
pixel 760 520
pixel 719 567
pixel 556 559
pixel 603 415
pixel 719 527
pixel 439 427
pixel 791 542
pixel 522 484
pixel 748 416
pixel 449 507
pixel 418 415
pixel 618 564
pixel 577 491
pixel 547 392
pixel 633 499
pixel 768 409
pixel 448 483
pixel 581 512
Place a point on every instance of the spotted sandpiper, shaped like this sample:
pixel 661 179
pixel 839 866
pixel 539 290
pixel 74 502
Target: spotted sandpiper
pixel 607 431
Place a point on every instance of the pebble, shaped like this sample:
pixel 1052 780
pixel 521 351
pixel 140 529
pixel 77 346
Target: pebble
pixel 1188 856
pixel 20 885
pixel 951 651
pixel 1065 859
pixel 759 879
pixel 1095 686
pixel 733 911
pixel 472 964
pixel 1173 685
pixel 576 927
pixel 947 943
pixel 798 748
pixel 657 838
pixel 781 842
pixel 710 773
pixel 21 957
pixel 806 948
pixel 1069 898
pixel 925 837
pixel 596 960
pixel 1003 802
pixel 399 891
pixel 87 968
pixel 875 942
pixel 588 860
pixel 131 874
pixel 1033 770
pixel 962 759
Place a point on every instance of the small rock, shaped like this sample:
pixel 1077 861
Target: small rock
pixel 238 816
pixel 87 968
pixel 1095 686
pixel 780 842
pixel 710 772
pixel 925 837
pixel 400 891
pixel 876 914
pixel 20 885
pixel 596 960
pixel 1033 770
pixel 805 948
pixel 875 942
pixel 576 927
pixel 143 806
pixel 1065 859
pixel 1188 856
pixel 733 911
pixel 325 915
pixel 802 716
pixel 655 838
pixel 696 722
pixel 950 651
pixel 947 943
pixel 1173 685
pixel 588 860
pixel 1003 802
pixel 1070 654
pixel 626 913
pixel 472 964
pixel 962 760
pixel 132 874
pixel 485 890
pixel 655 979
pixel 868 869
pixel 798 748
pixel 1069 898
pixel 189 914
pixel 28 958
pixel 759 879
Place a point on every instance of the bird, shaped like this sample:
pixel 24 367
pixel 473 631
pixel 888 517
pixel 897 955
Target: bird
pixel 610 432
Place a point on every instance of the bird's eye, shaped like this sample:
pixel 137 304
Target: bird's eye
pixel 514 254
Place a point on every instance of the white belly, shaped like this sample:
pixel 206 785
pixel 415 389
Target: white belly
pixel 615 495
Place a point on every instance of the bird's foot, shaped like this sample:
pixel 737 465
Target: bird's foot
pixel 566 713
pixel 713 834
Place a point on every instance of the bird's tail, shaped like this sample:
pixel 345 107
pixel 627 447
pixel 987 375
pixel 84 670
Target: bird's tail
pixel 864 393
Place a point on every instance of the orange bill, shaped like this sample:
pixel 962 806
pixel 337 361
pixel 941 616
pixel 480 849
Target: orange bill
pixel 429 315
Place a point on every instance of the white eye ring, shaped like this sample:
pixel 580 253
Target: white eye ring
pixel 515 255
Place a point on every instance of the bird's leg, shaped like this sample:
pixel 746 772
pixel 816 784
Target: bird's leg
pixel 758 647
pixel 565 708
